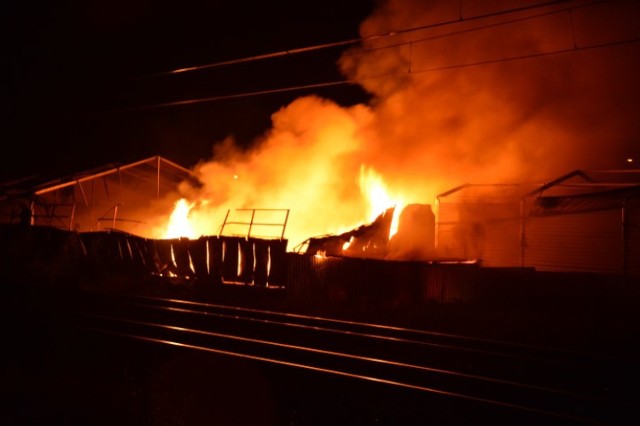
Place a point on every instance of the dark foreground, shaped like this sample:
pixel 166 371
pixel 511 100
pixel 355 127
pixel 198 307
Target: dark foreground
pixel 107 382
pixel 57 372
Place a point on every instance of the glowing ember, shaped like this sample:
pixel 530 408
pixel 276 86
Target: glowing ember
pixel 346 245
pixel 179 224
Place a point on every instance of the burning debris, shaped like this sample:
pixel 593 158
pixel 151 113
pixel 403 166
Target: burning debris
pixel 365 241
pixel 414 239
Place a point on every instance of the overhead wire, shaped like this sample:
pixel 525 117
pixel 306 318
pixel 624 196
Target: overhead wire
pixel 351 41
pixel 345 82
pixel 241 95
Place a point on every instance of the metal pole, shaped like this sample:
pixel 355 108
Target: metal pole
pixel 86 202
pixel 253 214
pixel 522 233
pixel 73 214
pixel 436 226
pixel 284 226
pixel 224 223
pixel 158 180
pixel 623 230
pixel 115 213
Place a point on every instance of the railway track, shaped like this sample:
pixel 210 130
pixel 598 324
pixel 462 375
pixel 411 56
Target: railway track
pixel 543 383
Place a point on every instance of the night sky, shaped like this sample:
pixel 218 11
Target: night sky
pixel 88 83
pixel 81 87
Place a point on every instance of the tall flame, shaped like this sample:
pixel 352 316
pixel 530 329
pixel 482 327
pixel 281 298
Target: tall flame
pixel 179 224
pixel 375 190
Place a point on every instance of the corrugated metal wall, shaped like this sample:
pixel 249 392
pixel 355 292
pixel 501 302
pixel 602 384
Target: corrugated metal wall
pixel 374 283
pixel 586 242
pixel 632 238
pixel 502 246
pixel 486 231
pixel 496 233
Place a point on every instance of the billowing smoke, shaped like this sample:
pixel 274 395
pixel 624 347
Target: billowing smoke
pixel 307 163
pixel 507 97
pixel 479 93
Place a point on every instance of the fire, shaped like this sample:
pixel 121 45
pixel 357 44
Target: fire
pixel 183 220
pixel 378 196
pixel 457 117
pixel 179 223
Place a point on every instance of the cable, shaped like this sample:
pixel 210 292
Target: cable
pixel 227 97
pixel 349 42
pixel 353 82
pixel 529 56
pixel 480 28
pixel 389 75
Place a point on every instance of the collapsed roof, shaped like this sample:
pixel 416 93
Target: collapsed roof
pixel 102 198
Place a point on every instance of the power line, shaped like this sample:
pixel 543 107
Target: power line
pixel 397 74
pixel 479 28
pixel 255 58
pixel 530 56
pixel 350 41
pixel 353 82
pixel 240 95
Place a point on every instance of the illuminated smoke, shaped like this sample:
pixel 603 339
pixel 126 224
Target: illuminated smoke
pixel 495 104
pixel 308 163
pixel 480 100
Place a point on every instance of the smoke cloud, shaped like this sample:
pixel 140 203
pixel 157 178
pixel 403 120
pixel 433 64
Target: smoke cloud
pixel 477 95
pixel 516 96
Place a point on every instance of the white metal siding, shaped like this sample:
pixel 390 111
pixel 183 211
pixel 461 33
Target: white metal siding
pixel 586 242
pixel 488 231
pixel 632 240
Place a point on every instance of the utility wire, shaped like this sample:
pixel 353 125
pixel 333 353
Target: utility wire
pixel 351 41
pixel 389 75
pixel 353 82
pixel 241 95
pixel 530 56
pixel 475 29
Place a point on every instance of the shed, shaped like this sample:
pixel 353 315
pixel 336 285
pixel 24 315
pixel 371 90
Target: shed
pixel 584 221
pixel 108 197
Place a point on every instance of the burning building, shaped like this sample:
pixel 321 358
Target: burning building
pixel 583 221
pixel 586 221
pixel 463 93
pixel 114 196
pixel 580 222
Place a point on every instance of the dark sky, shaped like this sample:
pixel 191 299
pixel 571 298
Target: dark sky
pixel 84 81
pixel 77 70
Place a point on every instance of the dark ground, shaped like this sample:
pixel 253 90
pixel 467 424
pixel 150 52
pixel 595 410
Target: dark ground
pixel 61 376
pixel 57 374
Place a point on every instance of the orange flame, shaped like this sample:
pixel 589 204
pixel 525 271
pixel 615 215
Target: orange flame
pixel 374 188
pixel 179 224
pixel 183 223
